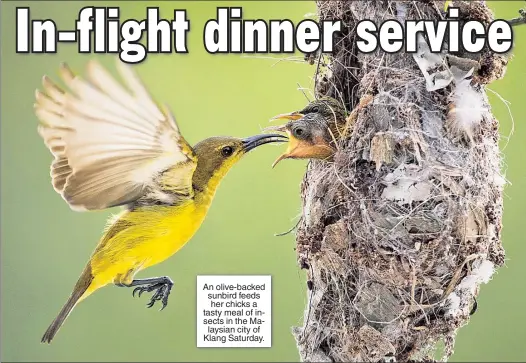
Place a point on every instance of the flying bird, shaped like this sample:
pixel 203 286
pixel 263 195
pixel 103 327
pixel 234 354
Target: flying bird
pixel 113 145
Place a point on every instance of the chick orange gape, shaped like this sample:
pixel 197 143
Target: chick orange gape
pixel 114 146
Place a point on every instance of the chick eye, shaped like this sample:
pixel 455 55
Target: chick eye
pixel 227 151
pixel 298 132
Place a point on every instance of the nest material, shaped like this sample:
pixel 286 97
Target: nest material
pixel 401 229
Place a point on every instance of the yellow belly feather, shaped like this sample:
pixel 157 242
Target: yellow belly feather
pixel 146 236
pixel 142 238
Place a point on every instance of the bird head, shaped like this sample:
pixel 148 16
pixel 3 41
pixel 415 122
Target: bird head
pixel 312 131
pixel 216 155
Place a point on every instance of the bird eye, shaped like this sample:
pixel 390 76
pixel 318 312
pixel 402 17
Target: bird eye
pixel 227 151
pixel 315 109
pixel 298 132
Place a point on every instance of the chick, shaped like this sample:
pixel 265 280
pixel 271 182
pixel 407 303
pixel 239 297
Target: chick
pixel 313 131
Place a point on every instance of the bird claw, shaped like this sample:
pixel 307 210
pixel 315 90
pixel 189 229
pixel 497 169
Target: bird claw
pixel 162 293
pixel 141 291
pixel 164 300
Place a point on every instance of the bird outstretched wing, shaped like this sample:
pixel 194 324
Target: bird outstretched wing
pixel 110 141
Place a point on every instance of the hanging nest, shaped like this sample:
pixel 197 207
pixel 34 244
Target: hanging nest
pixel 399 231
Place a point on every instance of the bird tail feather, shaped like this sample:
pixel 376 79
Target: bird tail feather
pixel 80 291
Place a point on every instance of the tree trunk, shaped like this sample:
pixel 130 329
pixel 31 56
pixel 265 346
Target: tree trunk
pixel 399 231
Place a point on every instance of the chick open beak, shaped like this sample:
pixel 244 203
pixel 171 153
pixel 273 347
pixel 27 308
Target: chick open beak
pixel 293 142
pixel 253 142
pixel 291 116
pixel 291 147
pixel 302 149
pixel 299 149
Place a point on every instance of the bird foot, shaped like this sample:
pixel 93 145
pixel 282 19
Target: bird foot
pixel 162 292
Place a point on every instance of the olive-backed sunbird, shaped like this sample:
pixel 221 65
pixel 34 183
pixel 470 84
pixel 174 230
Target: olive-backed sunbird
pixel 313 130
pixel 113 145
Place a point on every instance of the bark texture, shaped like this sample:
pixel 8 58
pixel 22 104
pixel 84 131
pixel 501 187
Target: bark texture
pixel 399 231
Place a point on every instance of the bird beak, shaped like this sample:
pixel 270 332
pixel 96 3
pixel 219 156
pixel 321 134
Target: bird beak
pixel 299 149
pixel 293 144
pixel 253 142
pixel 292 116
pixel 278 128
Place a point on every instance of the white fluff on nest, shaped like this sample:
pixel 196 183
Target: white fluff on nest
pixel 467 109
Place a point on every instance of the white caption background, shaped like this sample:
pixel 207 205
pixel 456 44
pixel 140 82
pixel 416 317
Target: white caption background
pixel 234 311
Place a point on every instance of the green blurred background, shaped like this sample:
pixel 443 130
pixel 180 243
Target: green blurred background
pixel 45 245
